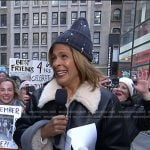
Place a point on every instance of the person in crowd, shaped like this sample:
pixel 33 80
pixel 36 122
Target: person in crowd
pixel 25 90
pixel 81 102
pixel 8 93
pixel 105 81
pixel 135 113
pixel 3 74
pixel 17 80
pixel 8 97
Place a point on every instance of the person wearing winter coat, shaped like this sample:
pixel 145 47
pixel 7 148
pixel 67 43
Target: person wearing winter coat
pixel 8 99
pixel 136 114
pixel 89 119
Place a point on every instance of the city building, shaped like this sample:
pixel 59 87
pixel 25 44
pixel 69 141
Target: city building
pixel 28 28
pixel 134 56
pixel 114 38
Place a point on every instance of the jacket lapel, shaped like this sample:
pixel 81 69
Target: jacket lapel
pixel 90 99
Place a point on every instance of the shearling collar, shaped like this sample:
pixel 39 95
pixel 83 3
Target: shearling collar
pixel 90 99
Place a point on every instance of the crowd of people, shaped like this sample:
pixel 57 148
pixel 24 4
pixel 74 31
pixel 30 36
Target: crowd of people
pixel 76 110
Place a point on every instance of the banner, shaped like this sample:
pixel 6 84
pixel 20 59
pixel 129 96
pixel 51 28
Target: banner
pixel 21 68
pixel 42 72
pixel 36 71
pixel 8 116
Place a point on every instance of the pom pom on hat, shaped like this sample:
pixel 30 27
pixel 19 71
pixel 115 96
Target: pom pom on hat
pixel 78 37
pixel 129 83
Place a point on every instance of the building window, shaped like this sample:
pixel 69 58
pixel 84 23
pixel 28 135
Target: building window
pixel 63 18
pixel 3 3
pixel 17 39
pixel 95 58
pixel 17 20
pixel 54 36
pixel 74 16
pixel 25 2
pixel 3 20
pixel 35 18
pixel 44 56
pixel 16 55
pixel 83 14
pixel 97 1
pixel 54 18
pixel 96 38
pixel 44 38
pixel 25 19
pixel 24 55
pixel 97 17
pixel 44 2
pixel 35 38
pixel 25 39
pixel 55 3
pixel 35 56
pixel 129 17
pixel 115 54
pixel 17 2
pixel 117 15
pixel 63 2
pixel 116 30
pixel 82 1
pixel 3 39
pixel 44 18
pixel 36 2
pixel 74 1
pixel 3 59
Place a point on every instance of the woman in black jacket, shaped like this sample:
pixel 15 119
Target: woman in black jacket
pixel 135 113
pixel 73 111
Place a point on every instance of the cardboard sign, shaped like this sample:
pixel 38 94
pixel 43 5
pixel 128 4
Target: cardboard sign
pixel 8 116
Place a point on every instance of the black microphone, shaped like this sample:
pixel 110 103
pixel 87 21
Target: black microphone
pixel 60 99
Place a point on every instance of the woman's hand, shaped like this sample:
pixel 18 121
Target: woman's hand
pixel 26 98
pixel 142 86
pixel 57 125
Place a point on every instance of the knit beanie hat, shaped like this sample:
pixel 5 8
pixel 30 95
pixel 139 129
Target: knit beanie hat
pixel 129 83
pixel 25 84
pixel 78 37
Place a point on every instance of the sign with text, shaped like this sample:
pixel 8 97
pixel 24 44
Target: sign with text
pixel 20 67
pixel 37 71
pixel 42 72
pixel 8 116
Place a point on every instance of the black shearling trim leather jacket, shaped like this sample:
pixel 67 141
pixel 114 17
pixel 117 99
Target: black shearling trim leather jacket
pixel 111 128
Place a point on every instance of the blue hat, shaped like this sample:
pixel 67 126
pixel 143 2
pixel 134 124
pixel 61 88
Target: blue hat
pixel 78 37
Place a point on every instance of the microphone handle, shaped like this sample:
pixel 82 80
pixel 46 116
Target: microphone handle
pixel 57 139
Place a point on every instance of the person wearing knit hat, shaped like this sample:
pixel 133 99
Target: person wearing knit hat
pixel 26 88
pixel 73 101
pixel 129 83
pixel 133 111
pixel 78 37
pixel 125 89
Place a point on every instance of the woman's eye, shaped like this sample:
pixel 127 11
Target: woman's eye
pixel 64 56
pixel 52 58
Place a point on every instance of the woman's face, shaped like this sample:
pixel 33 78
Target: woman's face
pixel 6 92
pixel 122 92
pixel 23 95
pixel 64 66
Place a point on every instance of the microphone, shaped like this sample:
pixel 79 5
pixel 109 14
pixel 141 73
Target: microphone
pixel 60 99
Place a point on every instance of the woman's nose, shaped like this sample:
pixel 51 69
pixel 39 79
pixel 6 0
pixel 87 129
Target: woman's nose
pixel 56 62
pixel 6 92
